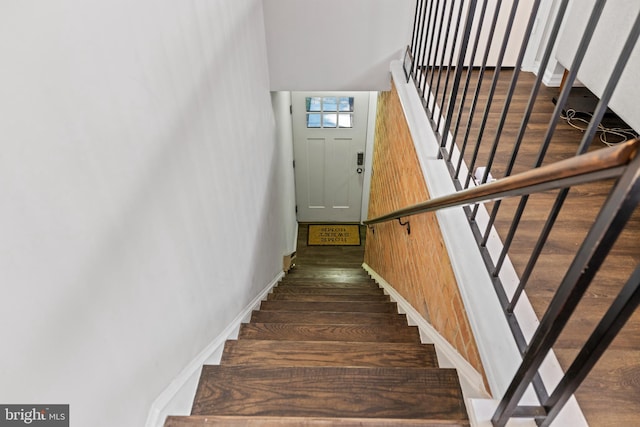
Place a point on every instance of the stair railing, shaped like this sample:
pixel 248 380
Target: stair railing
pixel 597 165
pixel 621 162
pixel 456 61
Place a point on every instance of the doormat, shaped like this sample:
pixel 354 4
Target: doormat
pixel 334 235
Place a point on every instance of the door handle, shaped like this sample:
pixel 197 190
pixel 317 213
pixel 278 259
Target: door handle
pixel 360 162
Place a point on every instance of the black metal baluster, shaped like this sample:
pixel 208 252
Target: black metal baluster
pixel 555 30
pixel 588 136
pixel 612 322
pixel 414 33
pixel 608 225
pixel 450 61
pixel 458 73
pixel 466 88
pixel 435 60
pixel 442 58
pixel 476 97
pixel 611 86
pixel 492 91
pixel 421 46
pixel 429 54
pixel 562 99
pixel 510 92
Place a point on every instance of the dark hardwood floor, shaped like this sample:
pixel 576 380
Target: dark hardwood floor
pixel 335 257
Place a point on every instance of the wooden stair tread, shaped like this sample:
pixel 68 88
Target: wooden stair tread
pixel 261 421
pixel 366 307
pixel 424 393
pixel 325 271
pixel 327 348
pixel 300 332
pixel 328 353
pixel 327 290
pixel 331 276
pixel 328 284
pixel 326 297
pixel 330 268
pixel 328 317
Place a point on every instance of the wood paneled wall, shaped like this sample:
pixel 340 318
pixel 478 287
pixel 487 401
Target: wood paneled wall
pixel 416 265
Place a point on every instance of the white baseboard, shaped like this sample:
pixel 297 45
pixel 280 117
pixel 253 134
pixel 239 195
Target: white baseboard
pixel 481 411
pixel 551 79
pixel 177 398
pixel 448 357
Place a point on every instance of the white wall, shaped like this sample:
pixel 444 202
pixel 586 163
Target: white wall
pixel 284 134
pixel 139 193
pixel 335 45
pixel 519 26
pixel 368 154
pixel 608 39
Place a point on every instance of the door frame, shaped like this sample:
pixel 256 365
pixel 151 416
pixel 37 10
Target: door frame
pixel 368 153
pixel 368 157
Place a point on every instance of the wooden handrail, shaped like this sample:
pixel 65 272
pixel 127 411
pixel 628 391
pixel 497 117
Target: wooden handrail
pixel 600 164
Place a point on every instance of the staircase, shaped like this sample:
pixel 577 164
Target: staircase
pixel 326 348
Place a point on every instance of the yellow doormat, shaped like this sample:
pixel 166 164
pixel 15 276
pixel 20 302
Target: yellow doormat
pixel 334 235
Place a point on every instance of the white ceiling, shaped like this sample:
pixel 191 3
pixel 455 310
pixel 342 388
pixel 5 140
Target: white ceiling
pixel 324 45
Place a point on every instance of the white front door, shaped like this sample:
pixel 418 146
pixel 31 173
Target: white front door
pixel 329 136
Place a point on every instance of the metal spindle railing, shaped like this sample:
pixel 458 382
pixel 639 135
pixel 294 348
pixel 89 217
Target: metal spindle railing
pixel 510 91
pixel 610 222
pixel 464 41
pixel 465 91
pixel 528 110
pixel 452 40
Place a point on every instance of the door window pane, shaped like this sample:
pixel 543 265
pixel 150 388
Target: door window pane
pixel 329 103
pixel 313 103
pixel 322 111
pixel 346 103
pixel 329 120
pixel 345 120
pixel 313 120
